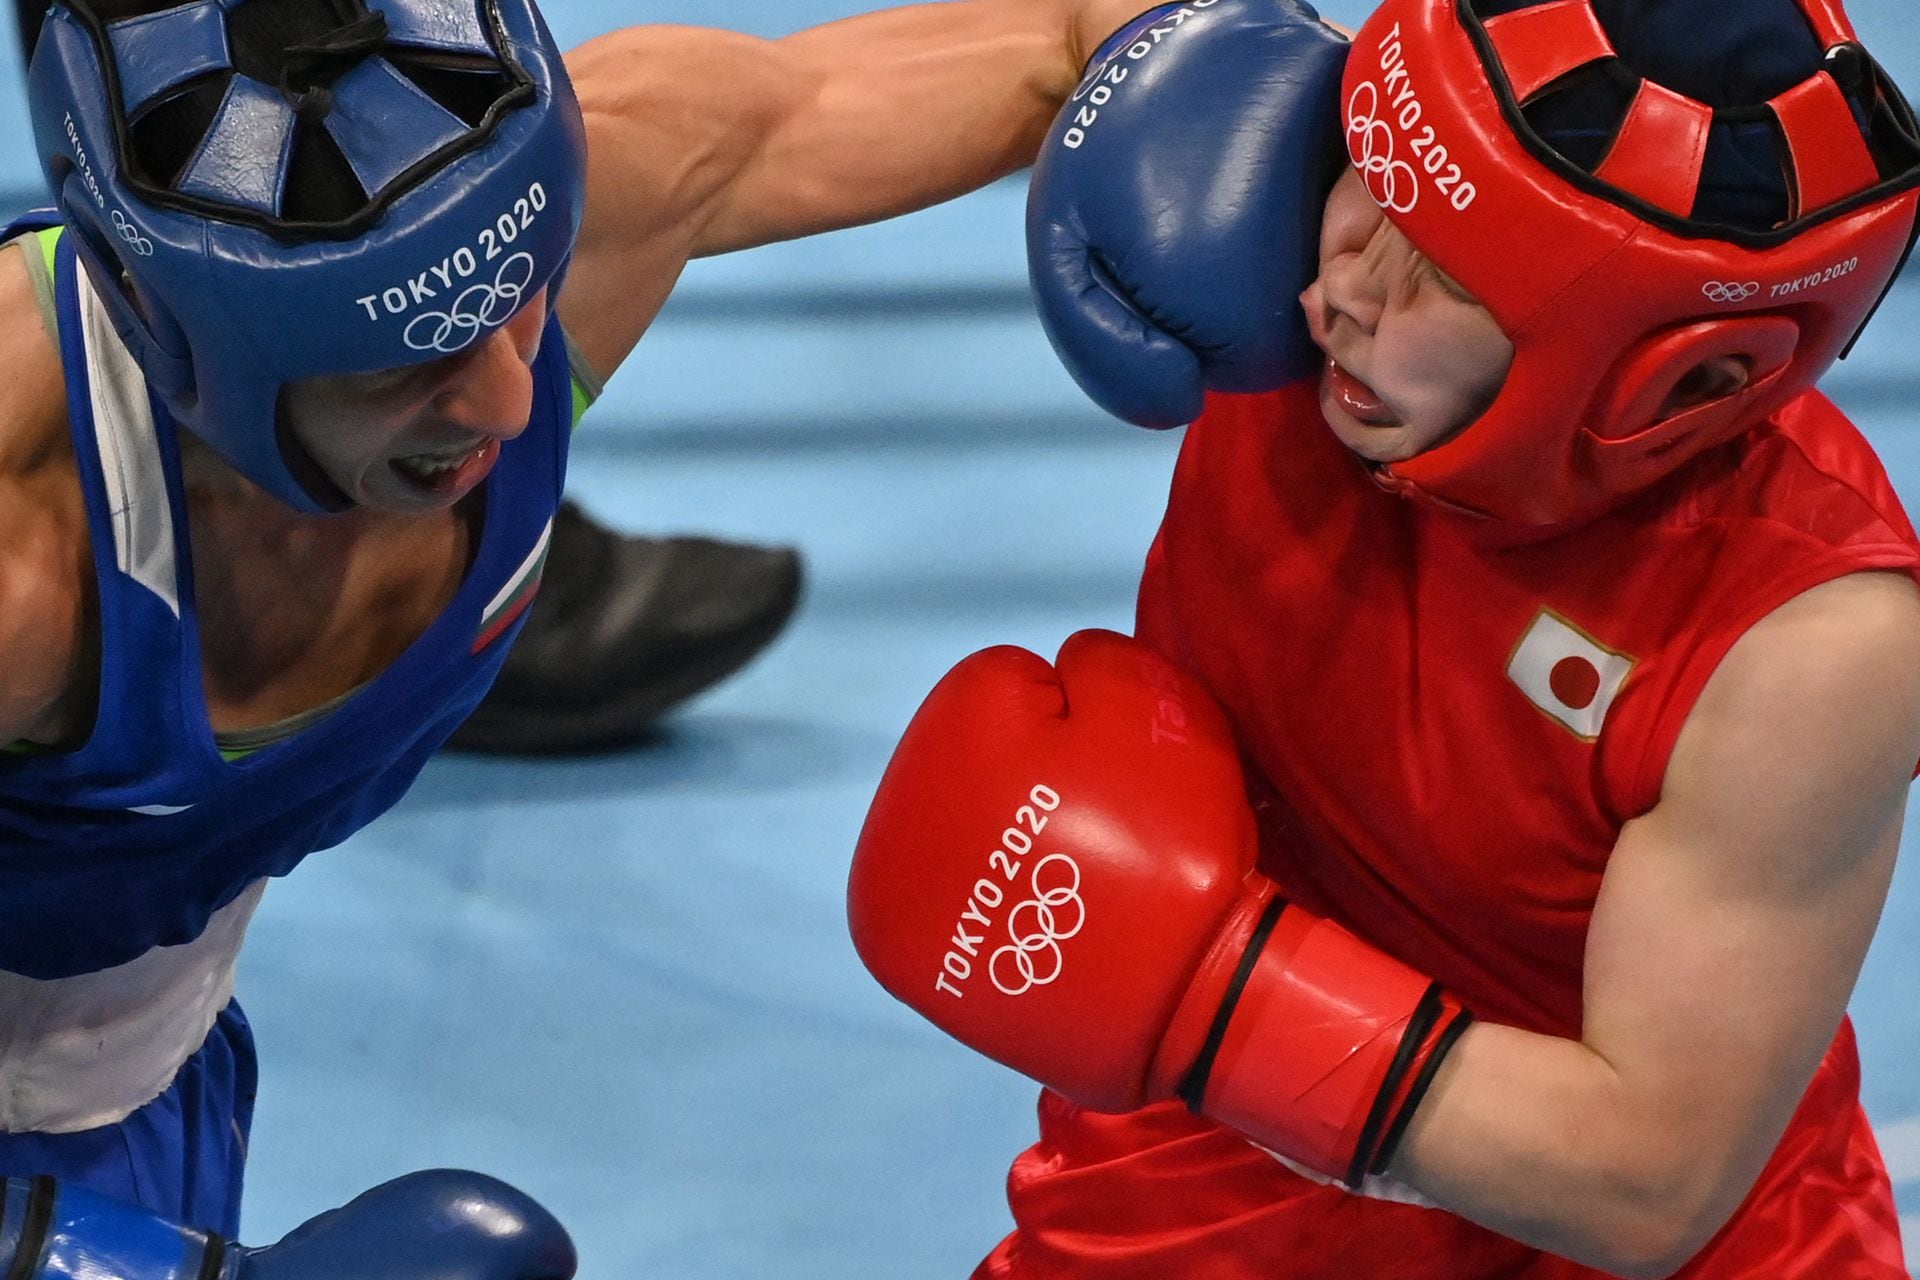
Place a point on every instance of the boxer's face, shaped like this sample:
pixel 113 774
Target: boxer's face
pixel 421 438
pixel 1411 357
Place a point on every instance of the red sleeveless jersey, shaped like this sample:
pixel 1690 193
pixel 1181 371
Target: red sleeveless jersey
pixel 1447 732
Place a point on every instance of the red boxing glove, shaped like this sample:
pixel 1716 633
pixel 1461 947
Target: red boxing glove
pixel 1058 870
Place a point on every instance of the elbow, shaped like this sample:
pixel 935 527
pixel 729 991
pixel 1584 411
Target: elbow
pixel 1652 1249
pixel 1676 1244
pixel 1645 1265
pixel 1651 1265
pixel 1657 1226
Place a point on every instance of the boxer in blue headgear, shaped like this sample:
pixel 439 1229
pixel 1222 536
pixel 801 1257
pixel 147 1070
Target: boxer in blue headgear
pixel 282 482
pixel 647 621
pixel 457 207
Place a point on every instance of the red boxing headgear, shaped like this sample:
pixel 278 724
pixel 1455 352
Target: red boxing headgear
pixel 1608 286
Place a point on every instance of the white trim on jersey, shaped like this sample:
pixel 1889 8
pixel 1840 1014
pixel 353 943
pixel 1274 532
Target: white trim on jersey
pixel 129 454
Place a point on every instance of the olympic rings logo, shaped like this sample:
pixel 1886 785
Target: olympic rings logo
pixel 479 307
pixel 131 234
pixel 1729 291
pixel 1392 183
pixel 1038 929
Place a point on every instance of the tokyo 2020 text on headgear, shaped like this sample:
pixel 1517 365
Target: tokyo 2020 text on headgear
pixel 1620 252
pixel 358 185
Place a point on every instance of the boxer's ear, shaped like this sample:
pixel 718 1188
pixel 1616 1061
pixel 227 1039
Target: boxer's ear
pixel 1688 389
pixel 1712 379
pixel 1684 377
pixel 1687 371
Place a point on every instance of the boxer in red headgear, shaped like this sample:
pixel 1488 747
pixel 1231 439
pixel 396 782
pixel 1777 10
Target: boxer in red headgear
pixel 1569 641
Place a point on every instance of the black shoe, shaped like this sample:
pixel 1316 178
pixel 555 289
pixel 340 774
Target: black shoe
pixel 624 629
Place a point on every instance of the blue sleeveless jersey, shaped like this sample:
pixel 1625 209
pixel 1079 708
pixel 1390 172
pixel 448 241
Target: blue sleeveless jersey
pixel 135 838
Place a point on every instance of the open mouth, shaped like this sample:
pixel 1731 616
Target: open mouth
pixel 449 470
pixel 1357 399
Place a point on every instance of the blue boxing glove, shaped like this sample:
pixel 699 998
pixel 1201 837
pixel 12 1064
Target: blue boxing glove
pixel 441 1224
pixel 1174 212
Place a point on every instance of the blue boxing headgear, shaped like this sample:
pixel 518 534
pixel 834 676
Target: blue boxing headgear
pixel 453 157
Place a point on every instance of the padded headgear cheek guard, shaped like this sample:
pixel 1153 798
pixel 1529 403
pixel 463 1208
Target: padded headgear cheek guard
pixel 1608 287
pixel 221 295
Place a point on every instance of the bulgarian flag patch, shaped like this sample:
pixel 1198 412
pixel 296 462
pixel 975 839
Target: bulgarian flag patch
pixel 1568 674
pixel 513 599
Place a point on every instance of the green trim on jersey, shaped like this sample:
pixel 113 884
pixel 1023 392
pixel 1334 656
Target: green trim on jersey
pixel 581 401
pixel 49 243
pixel 587 385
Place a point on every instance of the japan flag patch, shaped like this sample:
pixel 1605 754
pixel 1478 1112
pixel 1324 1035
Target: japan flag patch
pixel 1568 674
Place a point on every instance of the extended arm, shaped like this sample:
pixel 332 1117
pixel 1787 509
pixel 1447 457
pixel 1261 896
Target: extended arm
pixel 703 141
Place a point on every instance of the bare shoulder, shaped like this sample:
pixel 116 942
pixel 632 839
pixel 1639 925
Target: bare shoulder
pixel 45 571
pixel 1808 733
pixel 664 109
pixel 678 61
pixel 1851 645
pixel 672 114
pixel 694 82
